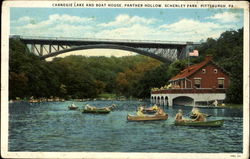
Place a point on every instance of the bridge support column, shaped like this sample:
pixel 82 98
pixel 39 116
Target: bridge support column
pixel 41 49
pixel 49 48
pixel 32 48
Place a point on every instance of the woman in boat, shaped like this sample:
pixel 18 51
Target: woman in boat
pixel 155 107
pixel 139 112
pixel 160 112
pixel 199 116
pixel 179 116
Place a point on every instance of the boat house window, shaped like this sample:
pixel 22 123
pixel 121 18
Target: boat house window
pixel 215 71
pixel 203 71
pixel 220 83
pixel 197 82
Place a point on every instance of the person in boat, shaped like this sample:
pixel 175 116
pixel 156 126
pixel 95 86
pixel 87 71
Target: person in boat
pixel 199 116
pixel 160 112
pixel 107 109
pixel 155 107
pixel 215 103
pixel 194 111
pixel 139 112
pixel 192 114
pixel 141 108
pixel 179 116
pixel 113 106
pixel 88 107
pixel 73 105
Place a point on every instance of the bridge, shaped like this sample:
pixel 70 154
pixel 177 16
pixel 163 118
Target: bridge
pixel 165 51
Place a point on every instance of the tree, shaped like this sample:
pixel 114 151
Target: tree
pixel 156 77
pixel 176 67
pixel 18 85
pixel 128 81
pixel 227 51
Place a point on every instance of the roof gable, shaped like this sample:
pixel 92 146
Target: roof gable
pixel 194 68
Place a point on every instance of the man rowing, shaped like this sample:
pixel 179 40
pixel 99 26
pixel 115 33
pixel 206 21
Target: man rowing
pixel 195 112
pixel 198 115
pixel 179 116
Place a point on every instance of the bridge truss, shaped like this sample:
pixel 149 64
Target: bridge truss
pixel 164 51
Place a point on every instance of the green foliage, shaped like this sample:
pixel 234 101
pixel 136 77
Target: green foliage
pixel 129 81
pixel 227 51
pixel 18 85
pixel 107 95
pixel 156 77
pixel 90 77
pixel 176 67
pixel 70 77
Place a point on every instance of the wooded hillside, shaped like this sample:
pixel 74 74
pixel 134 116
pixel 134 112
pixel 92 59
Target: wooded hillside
pixel 87 77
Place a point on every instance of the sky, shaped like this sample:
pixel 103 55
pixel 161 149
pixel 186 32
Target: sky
pixel 125 23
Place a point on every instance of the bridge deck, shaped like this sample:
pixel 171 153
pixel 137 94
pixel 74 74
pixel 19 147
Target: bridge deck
pixel 96 40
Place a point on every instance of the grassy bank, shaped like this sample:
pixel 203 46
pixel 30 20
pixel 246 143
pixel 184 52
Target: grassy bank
pixel 107 95
pixel 235 106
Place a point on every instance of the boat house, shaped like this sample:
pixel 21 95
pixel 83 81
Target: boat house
pixel 197 85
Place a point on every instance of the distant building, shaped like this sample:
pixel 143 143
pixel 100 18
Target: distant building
pixel 199 84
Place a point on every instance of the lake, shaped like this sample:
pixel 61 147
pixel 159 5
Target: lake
pixel 52 127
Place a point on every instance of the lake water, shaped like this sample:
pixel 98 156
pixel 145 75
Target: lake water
pixel 52 127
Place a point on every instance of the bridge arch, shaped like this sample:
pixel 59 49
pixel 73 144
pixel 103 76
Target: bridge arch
pixel 108 46
pixel 166 101
pixel 162 101
pixel 183 100
pixel 158 100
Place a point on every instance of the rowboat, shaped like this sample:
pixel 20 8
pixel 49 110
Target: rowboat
pixel 193 116
pixel 96 111
pixel 72 107
pixel 112 107
pixel 148 111
pixel 214 123
pixel 147 117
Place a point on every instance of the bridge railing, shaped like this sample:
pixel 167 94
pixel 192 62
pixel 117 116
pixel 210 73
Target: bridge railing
pixel 103 40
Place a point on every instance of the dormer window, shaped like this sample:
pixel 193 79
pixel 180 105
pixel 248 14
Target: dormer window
pixel 203 71
pixel 215 71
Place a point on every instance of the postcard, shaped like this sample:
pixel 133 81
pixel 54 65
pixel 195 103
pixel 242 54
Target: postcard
pixel 125 79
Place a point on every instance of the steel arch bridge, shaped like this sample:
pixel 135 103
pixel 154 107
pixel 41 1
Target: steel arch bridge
pixel 165 51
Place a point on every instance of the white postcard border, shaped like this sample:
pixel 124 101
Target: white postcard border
pixel 4 87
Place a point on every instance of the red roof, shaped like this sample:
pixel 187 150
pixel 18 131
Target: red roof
pixel 191 69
